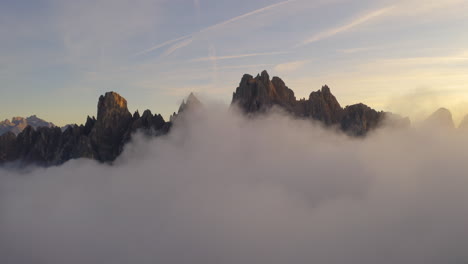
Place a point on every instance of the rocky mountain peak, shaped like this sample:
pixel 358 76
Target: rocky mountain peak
pixel 261 93
pixel 190 103
pixel 18 124
pixel 112 104
pixel 113 119
pixel 440 118
pixel 322 105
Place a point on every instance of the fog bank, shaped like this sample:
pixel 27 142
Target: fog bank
pixel 221 188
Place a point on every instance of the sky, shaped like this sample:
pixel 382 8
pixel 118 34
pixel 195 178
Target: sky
pixel 58 56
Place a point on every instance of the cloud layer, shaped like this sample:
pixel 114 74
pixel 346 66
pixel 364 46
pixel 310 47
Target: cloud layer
pixel 225 189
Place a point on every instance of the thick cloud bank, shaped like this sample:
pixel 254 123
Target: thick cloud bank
pixel 223 189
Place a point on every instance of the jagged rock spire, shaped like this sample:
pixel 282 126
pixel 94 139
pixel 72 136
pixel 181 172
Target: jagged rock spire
pixel 259 93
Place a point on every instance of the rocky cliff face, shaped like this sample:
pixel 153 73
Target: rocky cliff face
pixel 259 94
pixel 102 139
pixel 113 119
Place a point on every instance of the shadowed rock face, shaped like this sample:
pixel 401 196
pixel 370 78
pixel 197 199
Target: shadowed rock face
pixel 112 122
pixel 101 139
pixel 322 106
pixel 259 94
pixel 359 119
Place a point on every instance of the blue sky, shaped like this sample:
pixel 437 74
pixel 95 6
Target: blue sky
pixel 58 56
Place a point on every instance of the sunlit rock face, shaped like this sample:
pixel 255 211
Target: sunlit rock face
pixel 442 118
pixel 260 94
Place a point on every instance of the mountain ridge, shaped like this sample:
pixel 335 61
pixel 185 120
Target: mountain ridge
pixel 18 124
pixel 103 138
pixel 257 95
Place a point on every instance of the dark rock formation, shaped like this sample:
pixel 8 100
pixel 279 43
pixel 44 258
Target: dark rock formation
pixel 260 94
pixel 113 119
pixel 7 147
pixel 359 119
pixel 18 124
pixel 322 106
pixel 441 118
pixel 101 139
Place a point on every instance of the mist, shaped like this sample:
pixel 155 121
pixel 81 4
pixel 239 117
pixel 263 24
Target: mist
pixel 223 188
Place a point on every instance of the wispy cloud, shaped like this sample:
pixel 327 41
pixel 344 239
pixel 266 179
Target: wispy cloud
pixel 356 22
pixel 161 45
pixel 290 66
pixel 177 45
pixel 255 12
pixel 248 66
pixel 238 56
pixel 215 26
pixel 357 50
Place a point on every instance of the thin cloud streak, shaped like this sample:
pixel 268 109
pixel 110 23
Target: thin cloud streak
pixel 177 45
pixel 215 26
pixel 334 31
pixel 290 66
pixel 263 9
pixel 239 56
pixel 161 45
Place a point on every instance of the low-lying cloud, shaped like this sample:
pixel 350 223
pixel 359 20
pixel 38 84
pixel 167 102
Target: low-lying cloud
pixel 222 188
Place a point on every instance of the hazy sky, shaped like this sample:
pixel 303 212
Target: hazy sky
pixel 57 57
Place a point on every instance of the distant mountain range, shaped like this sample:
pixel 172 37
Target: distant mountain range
pixel 35 141
pixel 18 124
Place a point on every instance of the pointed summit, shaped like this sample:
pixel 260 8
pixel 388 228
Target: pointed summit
pixel 441 118
pixel 191 102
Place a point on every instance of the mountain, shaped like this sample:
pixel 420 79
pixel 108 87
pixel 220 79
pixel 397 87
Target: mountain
pixel 259 94
pixel 101 139
pixel 18 124
pixel 441 118
pixel 464 123
pixel 192 102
